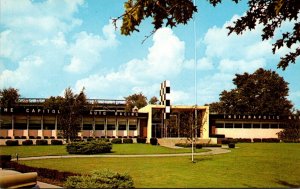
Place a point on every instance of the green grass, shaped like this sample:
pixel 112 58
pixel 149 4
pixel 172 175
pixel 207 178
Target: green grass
pixel 118 149
pixel 264 165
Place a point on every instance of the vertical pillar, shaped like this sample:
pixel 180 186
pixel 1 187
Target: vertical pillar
pixel 13 125
pixel 55 128
pixel 127 127
pixel 105 127
pixel 27 134
pixel 138 127
pixel 94 127
pixel 42 126
pixel 117 127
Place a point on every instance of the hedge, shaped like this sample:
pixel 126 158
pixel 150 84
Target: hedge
pixel 153 141
pixel 141 140
pixel 127 140
pixel 89 147
pixel 100 179
pixel 42 172
pixel 12 143
pixel 211 145
pixel 231 145
pixel 244 140
pixel 275 140
pixel 257 140
pixel 56 142
pixel 4 160
pixel 116 141
pixel 41 142
pixel 27 142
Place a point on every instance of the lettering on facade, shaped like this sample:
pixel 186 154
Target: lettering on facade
pixel 104 113
pixel 269 117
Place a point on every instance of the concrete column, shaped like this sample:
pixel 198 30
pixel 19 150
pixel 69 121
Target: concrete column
pixel 105 127
pixel 55 127
pixel 127 127
pixel 117 127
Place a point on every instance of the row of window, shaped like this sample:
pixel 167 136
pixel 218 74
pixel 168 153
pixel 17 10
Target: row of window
pixel 250 125
pixel 23 126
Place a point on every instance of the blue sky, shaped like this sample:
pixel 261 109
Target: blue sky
pixel 47 46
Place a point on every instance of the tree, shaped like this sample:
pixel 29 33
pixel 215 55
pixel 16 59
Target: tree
pixel 263 92
pixel 270 13
pixel 9 97
pixel 154 100
pixel 138 100
pixel 71 108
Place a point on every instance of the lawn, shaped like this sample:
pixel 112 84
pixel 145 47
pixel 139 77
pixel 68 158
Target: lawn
pixel 264 165
pixel 118 149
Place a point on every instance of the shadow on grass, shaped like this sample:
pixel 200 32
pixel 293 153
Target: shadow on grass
pixel 285 183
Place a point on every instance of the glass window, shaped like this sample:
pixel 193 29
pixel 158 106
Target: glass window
pixel 132 127
pixel 247 125
pixel 274 126
pixel 220 125
pixel 5 124
pixel 265 126
pixel 237 125
pixel 256 125
pixel 21 126
pixel 111 127
pixel 49 126
pixel 87 126
pixel 228 125
pixel 99 126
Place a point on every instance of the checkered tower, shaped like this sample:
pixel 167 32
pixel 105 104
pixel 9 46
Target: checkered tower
pixel 165 98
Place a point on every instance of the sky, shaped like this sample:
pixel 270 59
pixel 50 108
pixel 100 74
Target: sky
pixel 49 45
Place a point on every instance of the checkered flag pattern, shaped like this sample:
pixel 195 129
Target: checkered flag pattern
pixel 165 98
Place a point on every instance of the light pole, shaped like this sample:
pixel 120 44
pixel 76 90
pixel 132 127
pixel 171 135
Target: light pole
pixel 195 77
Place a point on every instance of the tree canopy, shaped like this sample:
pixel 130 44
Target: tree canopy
pixel 263 92
pixel 9 97
pixel 71 108
pixel 153 100
pixel 271 14
pixel 139 100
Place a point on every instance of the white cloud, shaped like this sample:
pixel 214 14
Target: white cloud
pixel 164 60
pixel 240 66
pixel 87 49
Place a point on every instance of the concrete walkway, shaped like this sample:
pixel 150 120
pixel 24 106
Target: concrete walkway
pixel 213 151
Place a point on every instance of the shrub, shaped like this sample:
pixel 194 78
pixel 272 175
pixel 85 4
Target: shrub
pixel 4 159
pixel 8 137
pixel 100 179
pixel 46 137
pixel 90 147
pixel 116 141
pixel 183 145
pixel 198 146
pixel 52 137
pixel 273 140
pixel 41 142
pixel 103 139
pixel 17 137
pixel 27 142
pixel 56 142
pixel 231 145
pixel 244 140
pixel 12 143
pixel 38 137
pixel 291 141
pixel 127 140
pixel 1 137
pixel 153 141
pixel 31 137
pixel 229 140
pixel 141 140
pixel 23 137
pixel 257 140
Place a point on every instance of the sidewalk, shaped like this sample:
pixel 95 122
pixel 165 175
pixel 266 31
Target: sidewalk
pixel 213 151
